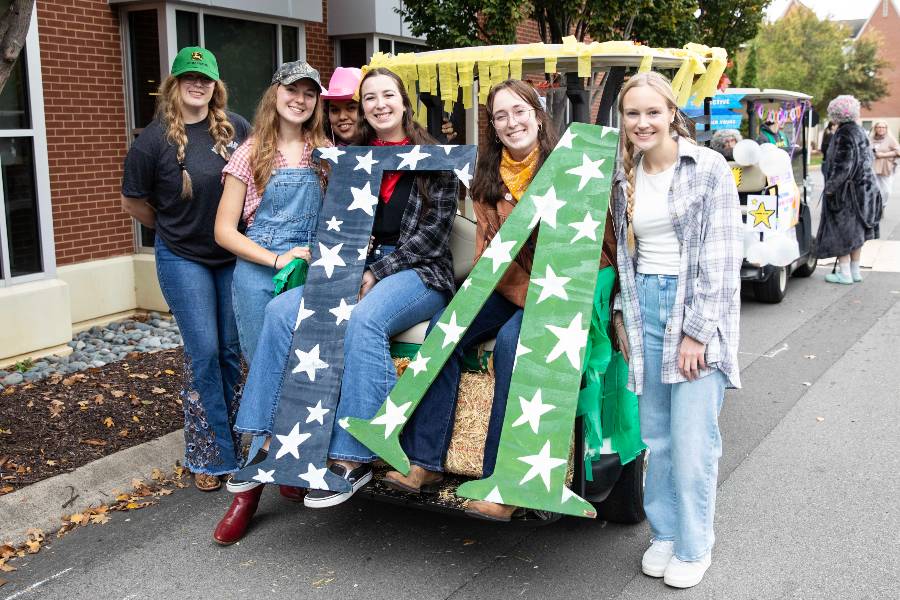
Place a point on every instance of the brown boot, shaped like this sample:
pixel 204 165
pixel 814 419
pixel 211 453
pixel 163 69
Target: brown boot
pixel 418 481
pixel 490 511
pixel 234 524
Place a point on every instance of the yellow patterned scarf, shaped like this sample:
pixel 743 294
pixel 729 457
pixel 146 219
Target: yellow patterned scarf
pixel 518 174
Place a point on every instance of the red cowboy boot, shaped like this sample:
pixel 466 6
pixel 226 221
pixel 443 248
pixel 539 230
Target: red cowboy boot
pixel 294 494
pixel 235 522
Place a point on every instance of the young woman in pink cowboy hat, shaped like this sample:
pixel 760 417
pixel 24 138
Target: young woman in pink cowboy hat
pixel 341 106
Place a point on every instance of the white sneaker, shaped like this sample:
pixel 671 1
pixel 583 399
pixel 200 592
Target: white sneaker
pixel 657 557
pixel 685 574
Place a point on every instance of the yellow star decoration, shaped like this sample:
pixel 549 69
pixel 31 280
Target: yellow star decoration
pixel 761 215
pixel 737 173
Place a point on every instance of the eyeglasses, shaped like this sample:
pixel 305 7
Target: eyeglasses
pixel 197 80
pixel 519 114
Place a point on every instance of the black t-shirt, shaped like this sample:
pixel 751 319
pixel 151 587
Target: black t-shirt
pixel 389 216
pixel 152 172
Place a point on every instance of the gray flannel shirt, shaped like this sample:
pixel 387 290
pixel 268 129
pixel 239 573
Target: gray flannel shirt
pixel 705 212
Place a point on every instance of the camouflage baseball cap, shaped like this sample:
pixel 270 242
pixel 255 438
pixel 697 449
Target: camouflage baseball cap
pixel 295 71
pixel 195 59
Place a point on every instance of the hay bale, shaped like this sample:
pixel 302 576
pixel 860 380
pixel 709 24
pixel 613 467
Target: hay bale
pixel 473 412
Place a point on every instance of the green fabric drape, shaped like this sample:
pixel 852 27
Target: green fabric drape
pixel 607 407
pixel 290 276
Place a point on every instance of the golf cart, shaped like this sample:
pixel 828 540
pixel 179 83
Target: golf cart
pixel 448 84
pixel 791 113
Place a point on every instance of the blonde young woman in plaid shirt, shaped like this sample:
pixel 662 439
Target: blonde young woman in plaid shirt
pixel 679 233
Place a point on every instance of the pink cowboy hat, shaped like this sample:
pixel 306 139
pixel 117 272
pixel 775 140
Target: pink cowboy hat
pixel 343 84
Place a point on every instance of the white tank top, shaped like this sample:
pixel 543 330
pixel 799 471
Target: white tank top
pixel 658 251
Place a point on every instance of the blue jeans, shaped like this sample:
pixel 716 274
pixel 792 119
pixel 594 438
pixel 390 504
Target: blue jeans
pixel 286 217
pixel 200 299
pixel 263 388
pixel 679 424
pixel 394 304
pixel 427 435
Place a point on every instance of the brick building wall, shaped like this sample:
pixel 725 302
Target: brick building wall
pixel 84 107
pixel 319 47
pixel 888 28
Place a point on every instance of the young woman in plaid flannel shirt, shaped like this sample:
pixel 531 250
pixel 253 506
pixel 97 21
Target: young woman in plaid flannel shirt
pixel 679 233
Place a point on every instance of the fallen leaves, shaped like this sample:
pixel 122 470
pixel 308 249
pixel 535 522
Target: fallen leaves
pixel 56 407
pixel 108 422
pixel 158 390
pixel 93 442
pixel 32 545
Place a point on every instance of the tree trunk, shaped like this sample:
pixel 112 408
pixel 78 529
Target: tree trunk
pixel 13 29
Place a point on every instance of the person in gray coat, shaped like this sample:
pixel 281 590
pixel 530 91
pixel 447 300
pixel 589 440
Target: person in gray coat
pixel 851 200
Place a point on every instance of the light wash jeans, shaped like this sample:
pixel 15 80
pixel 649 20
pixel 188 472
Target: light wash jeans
pixel 263 388
pixel 394 304
pixel 200 299
pixel 679 424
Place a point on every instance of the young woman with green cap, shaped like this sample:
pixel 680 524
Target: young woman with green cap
pixel 273 186
pixel 172 183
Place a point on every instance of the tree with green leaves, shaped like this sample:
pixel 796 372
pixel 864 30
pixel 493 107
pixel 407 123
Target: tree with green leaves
pixel 748 79
pixel 13 29
pixel 464 23
pixel 803 53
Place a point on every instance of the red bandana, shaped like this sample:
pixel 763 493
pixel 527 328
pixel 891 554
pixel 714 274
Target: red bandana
pixel 390 178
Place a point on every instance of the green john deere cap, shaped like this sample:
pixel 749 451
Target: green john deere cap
pixel 195 59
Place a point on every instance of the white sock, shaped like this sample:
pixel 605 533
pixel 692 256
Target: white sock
pixel 845 269
pixel 854 269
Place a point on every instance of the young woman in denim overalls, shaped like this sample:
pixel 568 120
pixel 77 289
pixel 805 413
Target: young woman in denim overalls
pixel 272 185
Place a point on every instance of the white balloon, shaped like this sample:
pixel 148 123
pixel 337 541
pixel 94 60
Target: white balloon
pixel 767 148
pixel 759 253
pixel 784 249
pixel 746 153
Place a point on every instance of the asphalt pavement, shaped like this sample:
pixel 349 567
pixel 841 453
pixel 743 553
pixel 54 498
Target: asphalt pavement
pixel 807 498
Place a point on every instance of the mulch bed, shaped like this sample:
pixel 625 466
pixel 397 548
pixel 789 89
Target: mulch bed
pixel 59 424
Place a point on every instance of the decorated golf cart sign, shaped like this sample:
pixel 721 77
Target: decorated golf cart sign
pixel 311 386
pixel 569 197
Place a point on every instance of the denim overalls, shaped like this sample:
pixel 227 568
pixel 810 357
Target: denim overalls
pixel 287 216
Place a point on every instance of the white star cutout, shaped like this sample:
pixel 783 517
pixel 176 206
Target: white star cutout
pixel 420 364
pixel 315 477
pixel 393 416
pixel 331 153
pixel 365 162
pixel 495 496
pixel 498 251
pixel 551 285
pixel 586 228
pixel 566 140
pixel 532 410
pixel 334 224
pixel 545 208
pixel 342 311
pixel 330 258
pixel 520 350
pixel 309 362
pixel 362 253
pixel 344 423
pixel 466 284
pixel 303 313
pixel 541 464
pixel 264 476
pixel 608 130
pixel 567 494
pixel 291 442
pixel 452 331
pixel 317 413
pixel 446 148
pixel 464 175
pixel 363 199
pixel 589 169
pixel 411 159
pixel 571 340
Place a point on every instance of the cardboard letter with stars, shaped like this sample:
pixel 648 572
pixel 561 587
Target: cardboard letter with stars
pixel 569 198
pixel 311 386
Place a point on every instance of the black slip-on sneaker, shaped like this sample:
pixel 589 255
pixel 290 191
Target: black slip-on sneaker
pixel 236 486
pixel 357 478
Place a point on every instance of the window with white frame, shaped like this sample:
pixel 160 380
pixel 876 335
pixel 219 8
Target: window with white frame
pixel 26 227
pixel 248 49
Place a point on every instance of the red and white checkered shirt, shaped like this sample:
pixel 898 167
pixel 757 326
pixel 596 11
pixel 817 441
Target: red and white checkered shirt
pixel 240 167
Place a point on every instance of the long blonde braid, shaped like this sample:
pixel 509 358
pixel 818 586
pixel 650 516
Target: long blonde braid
pixel 168 111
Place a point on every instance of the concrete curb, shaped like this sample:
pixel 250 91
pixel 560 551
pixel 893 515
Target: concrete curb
pixel 41 504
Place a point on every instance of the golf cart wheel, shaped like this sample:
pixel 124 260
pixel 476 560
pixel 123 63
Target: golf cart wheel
pixel 809 267
pixel 772 290
pixel 625 503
